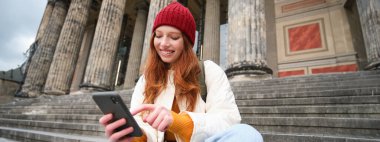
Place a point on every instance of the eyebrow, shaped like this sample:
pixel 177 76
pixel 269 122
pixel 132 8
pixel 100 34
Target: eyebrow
pixel 170 32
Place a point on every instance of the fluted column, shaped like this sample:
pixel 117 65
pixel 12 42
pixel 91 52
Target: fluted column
pixel 154 7
pixel 40 64
pixel 102 55
pixel 247 40
pixel 369 13
pixel 66 54
pixel 133 66
pixel 211 46
pixel 45 19
pixel 82 59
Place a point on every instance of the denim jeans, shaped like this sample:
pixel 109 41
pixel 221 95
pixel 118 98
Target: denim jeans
pixel 237 133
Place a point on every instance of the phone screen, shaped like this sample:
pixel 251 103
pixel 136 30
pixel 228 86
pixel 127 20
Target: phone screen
pixel 111 102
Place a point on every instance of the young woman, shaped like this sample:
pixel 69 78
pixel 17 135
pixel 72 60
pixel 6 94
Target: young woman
pixel 166 101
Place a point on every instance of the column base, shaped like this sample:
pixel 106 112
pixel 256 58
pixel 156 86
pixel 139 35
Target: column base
pixel 243 71
pixel 93 88
pixel 29 94
pixel 249 77
pixel 55 92
pixel 78 92
pixel 373 65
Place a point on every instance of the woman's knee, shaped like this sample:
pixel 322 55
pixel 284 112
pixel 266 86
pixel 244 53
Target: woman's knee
pixel 247 131
pixel 240 133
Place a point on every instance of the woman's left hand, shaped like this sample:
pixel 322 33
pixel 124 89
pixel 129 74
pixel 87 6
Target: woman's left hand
pixel 159 117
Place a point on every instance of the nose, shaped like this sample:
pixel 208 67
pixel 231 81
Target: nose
pixel 165 42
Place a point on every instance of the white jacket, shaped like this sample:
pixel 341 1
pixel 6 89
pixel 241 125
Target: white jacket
pixel 217 114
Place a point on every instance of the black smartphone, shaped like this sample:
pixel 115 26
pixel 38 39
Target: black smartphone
pixel 111 102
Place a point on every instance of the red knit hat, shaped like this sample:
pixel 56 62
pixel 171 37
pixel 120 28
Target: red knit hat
pixel 177 16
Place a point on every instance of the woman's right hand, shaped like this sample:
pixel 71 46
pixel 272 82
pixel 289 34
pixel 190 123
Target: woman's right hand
pixel 110 129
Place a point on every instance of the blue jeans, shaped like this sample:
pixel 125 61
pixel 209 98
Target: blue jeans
pixel 237 133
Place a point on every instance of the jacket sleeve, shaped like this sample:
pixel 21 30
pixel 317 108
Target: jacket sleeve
pixel 136 100
pixel 221 111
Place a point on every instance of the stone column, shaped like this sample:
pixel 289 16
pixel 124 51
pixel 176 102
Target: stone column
pixel 40 64
pixel 133 66
pixel 369 13
pixel 211 46
pixel 66 54
pixel 100 64
pixel 82 59
pixel 154 7
pixel 45 19
pixel 247 40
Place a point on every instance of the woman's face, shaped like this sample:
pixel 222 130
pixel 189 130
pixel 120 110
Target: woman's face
pixel 169 43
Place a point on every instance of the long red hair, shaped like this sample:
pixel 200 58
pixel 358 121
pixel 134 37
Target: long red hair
pixel 186 71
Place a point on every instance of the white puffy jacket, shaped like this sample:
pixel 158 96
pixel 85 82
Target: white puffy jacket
pixel 217 114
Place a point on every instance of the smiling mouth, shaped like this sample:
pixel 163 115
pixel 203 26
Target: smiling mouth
pixel 167 53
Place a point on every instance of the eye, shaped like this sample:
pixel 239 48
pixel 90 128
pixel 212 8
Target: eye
pixel 157 36
pixel 176 38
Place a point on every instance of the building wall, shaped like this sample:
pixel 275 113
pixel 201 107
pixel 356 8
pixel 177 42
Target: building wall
pixel 313 36
pixel 7 90
pixel 304 37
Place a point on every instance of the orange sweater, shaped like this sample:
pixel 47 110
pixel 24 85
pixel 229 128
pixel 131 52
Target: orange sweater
pixel 182 126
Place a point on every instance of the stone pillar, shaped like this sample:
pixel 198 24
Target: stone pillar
pixel 100 64
pixel 82 59
pixel 66 54
pixel 45 19
pixel 247 40
pixel 211 46
pixel 154 7
pixel 272 60
pixel 369 13
pixel 133 66
pixel 41 60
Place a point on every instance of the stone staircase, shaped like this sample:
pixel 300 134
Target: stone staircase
pixel 342 107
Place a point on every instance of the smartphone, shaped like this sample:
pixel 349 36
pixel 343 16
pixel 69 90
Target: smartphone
pixel 111 102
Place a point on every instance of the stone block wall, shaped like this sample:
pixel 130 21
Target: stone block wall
pixel 7 90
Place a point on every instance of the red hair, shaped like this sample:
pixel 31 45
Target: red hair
pixel 186 71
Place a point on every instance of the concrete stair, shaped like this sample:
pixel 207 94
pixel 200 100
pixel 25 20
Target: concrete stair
pixel 340 107
pixel 53 118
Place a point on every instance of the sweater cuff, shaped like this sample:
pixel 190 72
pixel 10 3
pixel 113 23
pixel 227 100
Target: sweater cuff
pixel 143 138
pixel 182 125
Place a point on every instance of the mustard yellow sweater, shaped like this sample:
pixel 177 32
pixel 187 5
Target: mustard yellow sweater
pixel 182 126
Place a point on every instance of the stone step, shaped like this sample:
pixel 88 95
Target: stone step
pixel 371 99
pixel 356 127
pixel 264 85
pixel 50 111
pixel 26 135
pixel 125 94
pixel 312 78
pixel 51 106
pixel 357 110
pixel 331 115
pixel 6 140
pixel 69 99
pixel 294 137
pixel 51 126
pixel 64 102
pixel 311 87
pixel 313 92
pixel 242 95
pixel 315 81
pixel 57 100
pixel 77 118
pixel 75 100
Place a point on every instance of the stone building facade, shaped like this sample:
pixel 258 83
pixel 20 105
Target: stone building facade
pixel 101 45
